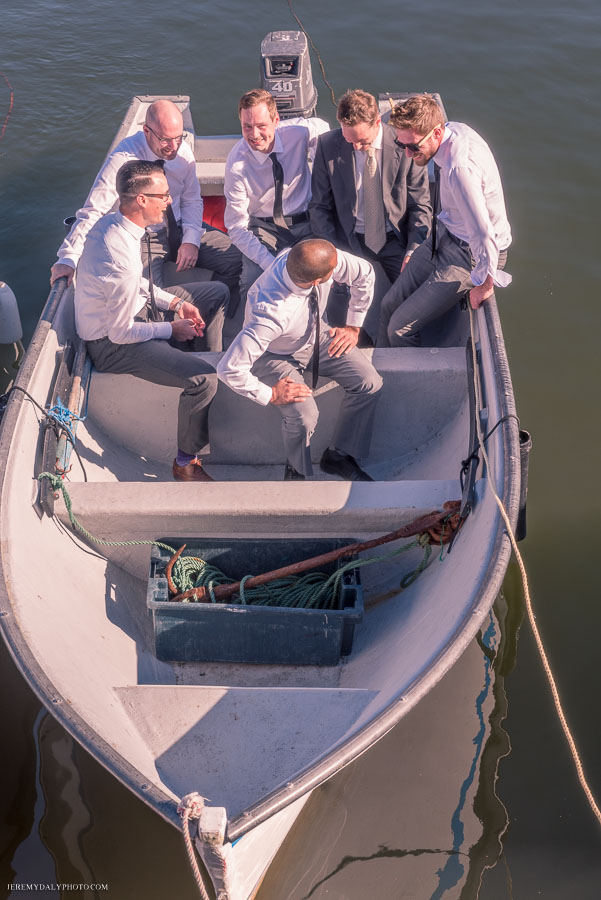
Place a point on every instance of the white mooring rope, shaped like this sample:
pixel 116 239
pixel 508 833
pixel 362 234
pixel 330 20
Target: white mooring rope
pixel 191 807
pixel 535 631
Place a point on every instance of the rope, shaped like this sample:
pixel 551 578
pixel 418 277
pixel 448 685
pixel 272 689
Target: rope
pixel 315 50
pixel 541 650
pixel 313 590
pixel 57 484
pixel 63 417
pixel 190 807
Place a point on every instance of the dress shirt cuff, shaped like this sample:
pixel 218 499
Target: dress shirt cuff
pixel 192 235
pixel 501 278
pixel 263 394
pixel 355 318
pixel 163 298
pixel 161 330
pixel 66 261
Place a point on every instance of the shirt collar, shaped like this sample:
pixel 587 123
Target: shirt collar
pixel 292 286
pixel 263 157
pixel 137 231
pixel 442 146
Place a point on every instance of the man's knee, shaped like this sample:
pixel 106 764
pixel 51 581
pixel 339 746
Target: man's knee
pixel 300 419
pixel 202 384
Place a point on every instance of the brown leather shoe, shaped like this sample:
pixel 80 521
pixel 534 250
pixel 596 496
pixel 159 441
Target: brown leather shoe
pixel 192 472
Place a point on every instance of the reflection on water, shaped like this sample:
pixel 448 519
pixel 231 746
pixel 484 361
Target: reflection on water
pixel 419 815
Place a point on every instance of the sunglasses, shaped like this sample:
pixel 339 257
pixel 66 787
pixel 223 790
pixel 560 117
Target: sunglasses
pixel 413 148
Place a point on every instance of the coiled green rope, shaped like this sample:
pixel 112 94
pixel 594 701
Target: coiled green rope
pixel 314 590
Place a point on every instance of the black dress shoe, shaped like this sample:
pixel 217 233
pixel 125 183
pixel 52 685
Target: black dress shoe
pixel 290 474
pixel 342 464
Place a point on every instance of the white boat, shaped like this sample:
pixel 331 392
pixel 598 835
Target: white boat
pixel 253 739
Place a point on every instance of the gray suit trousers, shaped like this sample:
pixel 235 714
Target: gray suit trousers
pixel 426 289
pixel 276 240
pixel 353 428
pixel 160 363
pixel 211 298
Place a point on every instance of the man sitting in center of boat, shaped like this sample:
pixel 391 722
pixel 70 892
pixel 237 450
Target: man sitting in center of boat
pixel 268 183
pixel 283 335
pixel 181 239
pixel 467 249
pixel 367 197
pixel 128 324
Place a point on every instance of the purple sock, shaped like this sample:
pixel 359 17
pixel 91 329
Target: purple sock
pixel 182 459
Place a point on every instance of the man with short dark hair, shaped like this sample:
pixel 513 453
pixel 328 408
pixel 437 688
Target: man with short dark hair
pixel 268 183
pixel 124 319
pixel 182 238
pixel 367 197
pixel 283 335
pixel 467 250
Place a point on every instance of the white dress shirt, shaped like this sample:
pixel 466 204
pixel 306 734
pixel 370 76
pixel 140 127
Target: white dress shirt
pixel 249 186
pixel 471 199
pixel 110 289
pixel 183 186
pixel 278 319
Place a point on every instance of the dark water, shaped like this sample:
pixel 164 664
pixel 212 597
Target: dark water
pixel 525 75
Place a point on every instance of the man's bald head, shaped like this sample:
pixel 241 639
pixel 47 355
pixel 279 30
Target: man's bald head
pixel 311 261
pixel 163 128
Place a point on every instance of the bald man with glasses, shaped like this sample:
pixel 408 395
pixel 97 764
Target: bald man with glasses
pixel 180 238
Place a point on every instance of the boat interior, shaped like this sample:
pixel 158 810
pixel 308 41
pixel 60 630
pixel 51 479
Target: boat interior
pixel 209 726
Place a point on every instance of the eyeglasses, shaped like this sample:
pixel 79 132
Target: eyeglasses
pixel 413 148
pixel 163 141
pixel 164 197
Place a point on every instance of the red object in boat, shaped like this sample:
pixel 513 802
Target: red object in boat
pixel 214 208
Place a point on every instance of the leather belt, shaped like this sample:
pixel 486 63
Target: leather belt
pixel 296 219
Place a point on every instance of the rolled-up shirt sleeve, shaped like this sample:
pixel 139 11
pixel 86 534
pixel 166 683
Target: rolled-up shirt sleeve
pixel 234 368
pixel 469 197
pixel 360 277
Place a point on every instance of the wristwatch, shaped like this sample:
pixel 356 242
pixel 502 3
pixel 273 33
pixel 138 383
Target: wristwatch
pixel 177 306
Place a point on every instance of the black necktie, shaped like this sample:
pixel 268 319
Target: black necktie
pixel 314 308
pixel 435 206
pixel 155 315
pixel 278 180
pixel 173 237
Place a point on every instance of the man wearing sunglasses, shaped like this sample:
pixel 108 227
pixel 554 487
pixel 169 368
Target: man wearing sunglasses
pixel 381 214
pixel 467 249
pixel 180 238
pixel 133 327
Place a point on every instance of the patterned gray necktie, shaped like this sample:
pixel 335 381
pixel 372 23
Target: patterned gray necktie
pixel 373 204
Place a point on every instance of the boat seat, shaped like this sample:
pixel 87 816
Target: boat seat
pixel 423 394
pixel 142 511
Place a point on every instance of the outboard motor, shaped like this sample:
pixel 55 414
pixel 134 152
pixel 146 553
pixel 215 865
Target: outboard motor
pixel 286 73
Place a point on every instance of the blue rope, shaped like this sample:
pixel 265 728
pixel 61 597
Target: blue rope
pixel 63 416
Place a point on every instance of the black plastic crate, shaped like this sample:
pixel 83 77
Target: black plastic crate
pixel 232 632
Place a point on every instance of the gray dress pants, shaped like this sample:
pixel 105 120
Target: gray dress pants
pixel 426 289
pixel 217 253
pixel 353 428
pixel 160 363
pixel 276 240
